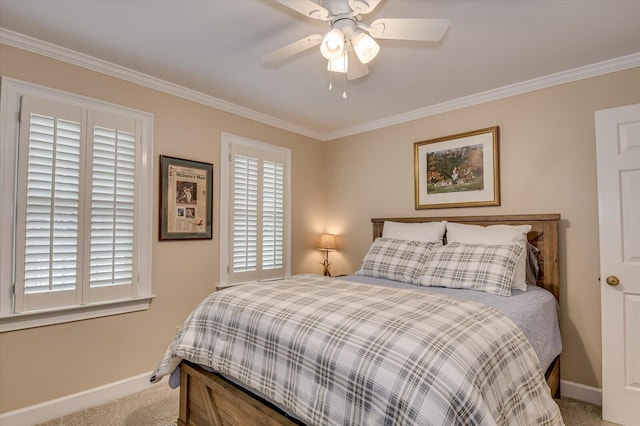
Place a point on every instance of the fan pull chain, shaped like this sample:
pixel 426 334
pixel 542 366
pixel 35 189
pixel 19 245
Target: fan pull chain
pixel 344 92
pixel 330 85
pixel 344 77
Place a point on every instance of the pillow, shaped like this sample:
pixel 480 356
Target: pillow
pixel 426 231
pixel 398 260
pixel 494 234
pixel 481 267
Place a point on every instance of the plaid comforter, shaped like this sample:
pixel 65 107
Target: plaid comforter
pixel 339 353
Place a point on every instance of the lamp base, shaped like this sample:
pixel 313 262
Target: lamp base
pixel 326 268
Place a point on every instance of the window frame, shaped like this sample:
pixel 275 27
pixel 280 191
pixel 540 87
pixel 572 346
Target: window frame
pixel 12 90
pixel 227 140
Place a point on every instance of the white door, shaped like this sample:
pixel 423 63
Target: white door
pixel 618 156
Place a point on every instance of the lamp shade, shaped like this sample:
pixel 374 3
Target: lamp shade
pixel 327 242
pixel 366 47
pixel 332 46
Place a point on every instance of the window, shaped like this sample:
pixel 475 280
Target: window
pixel 255 209
pixel 76 178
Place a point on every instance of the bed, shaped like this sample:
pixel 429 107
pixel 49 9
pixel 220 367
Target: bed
pixel 207 397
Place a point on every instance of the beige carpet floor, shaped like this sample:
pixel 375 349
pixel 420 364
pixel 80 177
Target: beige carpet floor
pixel 158 406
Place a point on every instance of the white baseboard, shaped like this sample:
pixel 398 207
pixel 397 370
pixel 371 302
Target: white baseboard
pixel 581 392
pixel 71 403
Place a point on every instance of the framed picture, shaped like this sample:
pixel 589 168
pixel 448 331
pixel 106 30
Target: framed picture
pixel 457 171
pixel 186 193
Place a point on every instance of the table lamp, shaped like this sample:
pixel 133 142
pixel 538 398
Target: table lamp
pixel 327 244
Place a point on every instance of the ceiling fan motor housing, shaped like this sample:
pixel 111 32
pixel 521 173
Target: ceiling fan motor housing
pixel 338 7
pixel 345 24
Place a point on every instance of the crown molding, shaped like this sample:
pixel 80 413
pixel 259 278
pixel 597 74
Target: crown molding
pixel 581 73
pixel 44 48
pixel 21 41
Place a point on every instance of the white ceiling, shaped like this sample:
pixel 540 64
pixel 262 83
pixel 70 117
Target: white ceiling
pixel 215 47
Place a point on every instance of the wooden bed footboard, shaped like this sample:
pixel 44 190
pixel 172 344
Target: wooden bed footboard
pixel 553 377
pixel 208 399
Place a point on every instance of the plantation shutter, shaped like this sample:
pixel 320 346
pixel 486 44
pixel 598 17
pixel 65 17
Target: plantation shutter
pixel 112 208
pixel 272 215
pixel 111 245
pixel 49 217
pixel 79 191
pixel 53 187
pixel 257 214
pixel 245 213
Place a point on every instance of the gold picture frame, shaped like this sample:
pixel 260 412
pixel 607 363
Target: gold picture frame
pixel 460 170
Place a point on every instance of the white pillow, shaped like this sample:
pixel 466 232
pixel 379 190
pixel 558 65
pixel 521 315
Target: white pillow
pixel 425 231
pixel 494 234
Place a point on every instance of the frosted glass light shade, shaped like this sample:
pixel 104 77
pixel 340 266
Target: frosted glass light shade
pixel 332 46
pixel 340 64
pixel 365 46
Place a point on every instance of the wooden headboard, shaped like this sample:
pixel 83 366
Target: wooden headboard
pixel 543 235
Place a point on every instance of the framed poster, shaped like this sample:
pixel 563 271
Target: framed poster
pixel 186 198
pixel 457 171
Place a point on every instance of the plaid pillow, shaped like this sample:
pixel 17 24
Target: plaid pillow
pixel 482 267
pixel 398 260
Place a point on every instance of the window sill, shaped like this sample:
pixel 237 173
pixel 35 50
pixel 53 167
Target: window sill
pixel 75 313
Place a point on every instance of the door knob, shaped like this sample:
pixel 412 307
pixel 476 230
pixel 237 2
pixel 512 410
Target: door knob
pixel 613 281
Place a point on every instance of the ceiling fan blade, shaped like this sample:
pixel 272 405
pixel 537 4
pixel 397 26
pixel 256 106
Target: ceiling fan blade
pixel 308 8
pixel 356 69
pixel 292 49
pixel 363 6
pixel 356 72
pixel 409 29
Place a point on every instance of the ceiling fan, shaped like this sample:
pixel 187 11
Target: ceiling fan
pixel 349 44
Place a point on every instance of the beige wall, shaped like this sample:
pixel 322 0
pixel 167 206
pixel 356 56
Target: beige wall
pixel 548 165
pixel 41 364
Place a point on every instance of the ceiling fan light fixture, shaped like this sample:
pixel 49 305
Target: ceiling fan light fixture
pixel 348 36
pixel 340 64
pixel 365 46
pixel 332 46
